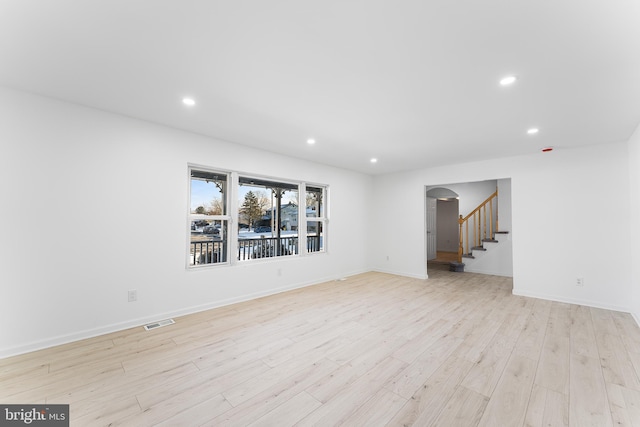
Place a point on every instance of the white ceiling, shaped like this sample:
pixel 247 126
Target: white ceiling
pixel 413 83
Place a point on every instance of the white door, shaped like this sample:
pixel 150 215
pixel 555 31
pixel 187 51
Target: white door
pixel 432 204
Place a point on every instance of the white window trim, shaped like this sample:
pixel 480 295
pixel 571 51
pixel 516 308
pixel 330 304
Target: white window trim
pixel 233 206
pixel 302 220
pixel 273 179
pixel 324 219
pixel 194 217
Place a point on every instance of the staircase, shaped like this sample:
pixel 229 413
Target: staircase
pixel 478 251
pixel 492 257
pixel 479 233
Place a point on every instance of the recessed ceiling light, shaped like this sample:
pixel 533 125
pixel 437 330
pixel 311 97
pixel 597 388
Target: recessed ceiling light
pixel 189 102
pixel 374 160
pixel 311 141
pixel 507 80
pixel 533 131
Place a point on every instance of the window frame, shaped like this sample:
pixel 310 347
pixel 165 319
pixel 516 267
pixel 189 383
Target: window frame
pixel 198 217
pixel 261 181
pixel 323 219
pixel 233 205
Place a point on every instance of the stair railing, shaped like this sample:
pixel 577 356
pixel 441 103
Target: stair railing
pixel 483 225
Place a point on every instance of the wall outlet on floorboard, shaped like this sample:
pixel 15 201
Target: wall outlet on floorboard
pixel 580 281
pixel 133 295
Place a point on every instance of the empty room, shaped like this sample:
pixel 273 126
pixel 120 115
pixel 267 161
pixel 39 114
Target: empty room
pixel 279 213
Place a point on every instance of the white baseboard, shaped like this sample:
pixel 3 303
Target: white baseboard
pixel 91 333
pixel 490 273
pixel 138 322
pixel 400 273
pixel 557 298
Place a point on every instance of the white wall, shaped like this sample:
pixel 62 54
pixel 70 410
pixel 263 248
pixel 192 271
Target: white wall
pixel 634 196
pixel 562 226
pixel 504 204
pixel 95 204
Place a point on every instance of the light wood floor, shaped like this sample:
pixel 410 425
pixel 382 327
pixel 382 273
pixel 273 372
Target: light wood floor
pixel 445 257
pixel 374 350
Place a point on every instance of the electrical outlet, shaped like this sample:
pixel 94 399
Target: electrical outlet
pixel 133 295
pixel 579 281
pixel 279 272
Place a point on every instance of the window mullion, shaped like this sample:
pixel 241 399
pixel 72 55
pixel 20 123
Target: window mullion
pixel 302 221
pixel 233 223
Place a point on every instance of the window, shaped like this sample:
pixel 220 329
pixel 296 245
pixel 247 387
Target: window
pixel 316 218
pixel 237 218
pixel 208 218
pixel 267 218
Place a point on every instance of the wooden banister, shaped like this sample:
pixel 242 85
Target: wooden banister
pixel 481 224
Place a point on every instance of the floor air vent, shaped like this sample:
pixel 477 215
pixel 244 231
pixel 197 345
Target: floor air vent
pixel 159 324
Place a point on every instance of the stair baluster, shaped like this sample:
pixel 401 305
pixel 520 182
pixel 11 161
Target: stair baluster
pixel 479 226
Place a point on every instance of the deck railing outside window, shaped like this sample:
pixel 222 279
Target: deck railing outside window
pixel 212 252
